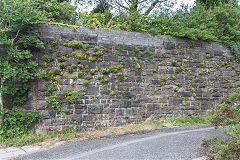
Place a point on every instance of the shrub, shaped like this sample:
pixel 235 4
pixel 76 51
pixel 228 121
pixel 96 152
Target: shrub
pixel 227 113
pixel 16 122
pixel 201 23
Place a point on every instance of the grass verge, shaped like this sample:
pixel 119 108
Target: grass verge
pixel 47 140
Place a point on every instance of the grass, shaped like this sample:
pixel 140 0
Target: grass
pixel 47 140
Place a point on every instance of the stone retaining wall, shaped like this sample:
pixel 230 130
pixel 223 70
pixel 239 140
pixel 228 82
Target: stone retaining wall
pixel 154 75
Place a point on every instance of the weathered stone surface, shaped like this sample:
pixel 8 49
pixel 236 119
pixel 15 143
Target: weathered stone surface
pixel 176 78
pixel 95 108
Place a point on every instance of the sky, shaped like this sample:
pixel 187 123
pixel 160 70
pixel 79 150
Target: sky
pixel 178 5
pixel 190 3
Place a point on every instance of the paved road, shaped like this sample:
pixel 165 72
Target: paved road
pixel 164 144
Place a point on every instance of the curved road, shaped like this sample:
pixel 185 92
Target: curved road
pixel 181 143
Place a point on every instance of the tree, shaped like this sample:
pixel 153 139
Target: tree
pixel 143 7
pixel 101 7
pixel 212 3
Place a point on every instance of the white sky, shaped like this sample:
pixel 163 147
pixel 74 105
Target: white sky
pixel 190 3
pixel 179 2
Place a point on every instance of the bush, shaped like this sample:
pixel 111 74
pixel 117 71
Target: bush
pixel 16 122
pixel 220 23
pixel 57 12
pixel 227 113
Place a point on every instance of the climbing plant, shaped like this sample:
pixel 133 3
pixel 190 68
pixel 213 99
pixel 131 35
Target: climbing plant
pixel 18 40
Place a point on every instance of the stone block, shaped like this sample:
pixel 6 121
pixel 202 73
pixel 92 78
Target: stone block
pixel 95 108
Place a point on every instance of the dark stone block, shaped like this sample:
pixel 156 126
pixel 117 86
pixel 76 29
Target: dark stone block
pixel 91 90
pixel 110 58
pixel 95 108
pixel 186 94
pixel 169 45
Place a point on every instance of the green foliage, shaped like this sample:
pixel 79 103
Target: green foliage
pixel 178 70
pixel 16 93
pixel 18 40
pixel 86 69
pixel 201 23
pixel 104 71
pixel 86 82
pixel 105 81
pixel 62 59
pixel 57 12
pixel 94 99
pixel 96 48
pixel 80 66
pixel 148 52
pixel 111 93
pixel 113 69
pixel 88 77
pixel 62 66
pixel 174 62
pixel 212 3
pixel 54 43
pixel 137 67
pixel 99 53
pixel 57 71
pixel 74 54
pixel 56 100
pixel 71 69
pixel 74 45
pixel 226 113
pixel 80 74
pixel 100 77
pixel 74 77
pixel 150 98
pixel 65 75
pixel 47 58
pixel 70 96
pixel 16 122
pixel 93 71
pixel 92 59
pixel 45 65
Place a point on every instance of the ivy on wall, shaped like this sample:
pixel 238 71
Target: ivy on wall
pixel 18 40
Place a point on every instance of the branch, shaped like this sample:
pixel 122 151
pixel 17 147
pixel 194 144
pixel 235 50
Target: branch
pixel 122 6
pixel 153 5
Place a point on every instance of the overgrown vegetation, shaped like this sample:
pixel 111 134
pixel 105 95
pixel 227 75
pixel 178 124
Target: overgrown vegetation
pixel 226 114
pixel 16 122
pixel 217 23
pixel 18 40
